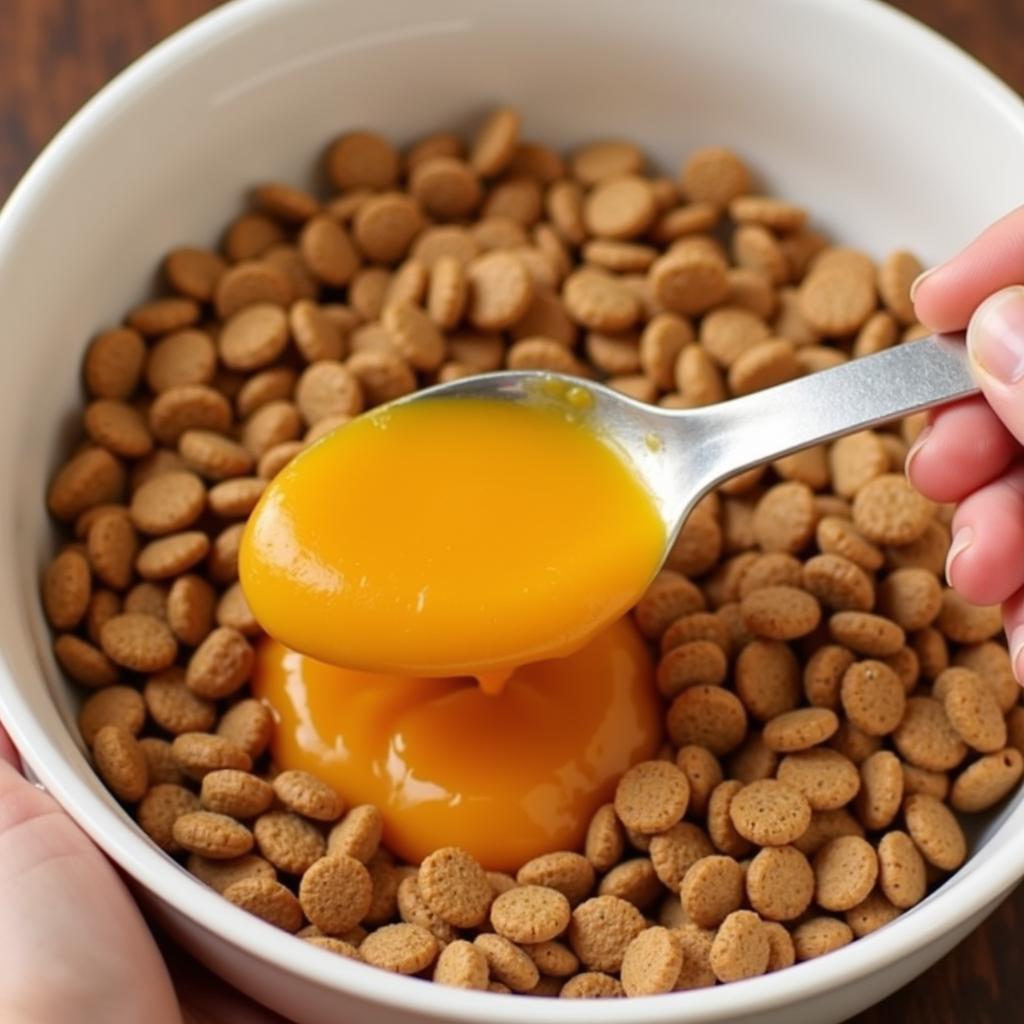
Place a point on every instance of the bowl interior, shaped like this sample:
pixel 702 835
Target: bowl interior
pixel 834 103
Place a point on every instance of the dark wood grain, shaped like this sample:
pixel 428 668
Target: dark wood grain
pixel 54 54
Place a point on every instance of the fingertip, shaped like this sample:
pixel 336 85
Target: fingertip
pixel 986 558
pixel 964 447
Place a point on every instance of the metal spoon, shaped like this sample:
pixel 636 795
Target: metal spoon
pixel 681 454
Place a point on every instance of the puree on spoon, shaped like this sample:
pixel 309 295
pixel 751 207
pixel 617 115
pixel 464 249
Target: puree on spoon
pixel 450 537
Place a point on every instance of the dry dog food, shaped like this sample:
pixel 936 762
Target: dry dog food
pixel 825 694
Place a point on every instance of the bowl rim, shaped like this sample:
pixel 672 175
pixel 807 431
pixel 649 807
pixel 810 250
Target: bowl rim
pixel 116 834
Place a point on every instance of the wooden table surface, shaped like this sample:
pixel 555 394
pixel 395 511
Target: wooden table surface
pixel 54 54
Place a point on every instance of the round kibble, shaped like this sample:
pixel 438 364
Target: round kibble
pixel 740 948
pixel 935 830
pixel 651 963
pixel 780 883
pixel 530 913
pixel 601 929
pixel 335 893
pixel 902 875
pixel 825 777
pixel 711 890
pixel 456 887
pixel 873 697
pixel 652 796
pixel 770 813
pixel 845 871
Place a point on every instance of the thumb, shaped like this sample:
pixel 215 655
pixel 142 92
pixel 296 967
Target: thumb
pixel 995 341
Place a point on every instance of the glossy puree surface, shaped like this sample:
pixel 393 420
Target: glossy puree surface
pixel 506 777
pixel 450 537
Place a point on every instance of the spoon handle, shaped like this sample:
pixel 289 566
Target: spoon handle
pixel 861 393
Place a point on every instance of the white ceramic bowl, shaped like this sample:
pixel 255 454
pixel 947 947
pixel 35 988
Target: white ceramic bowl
pixel 889 134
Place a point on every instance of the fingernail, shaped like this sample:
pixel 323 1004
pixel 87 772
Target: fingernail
pixel 1016 650
pixel 918 444
pixel 995 335
pixel 917 282
pixel 962 540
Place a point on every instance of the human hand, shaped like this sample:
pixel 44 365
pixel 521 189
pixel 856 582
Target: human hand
pixel 75 946
pixel 971 453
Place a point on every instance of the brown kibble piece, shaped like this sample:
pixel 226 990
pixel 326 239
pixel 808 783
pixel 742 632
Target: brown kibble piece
pixel 601 929
pixel 652 796
pixel 93 477
pixel 253 337
pixel 711 889
pixel 446 187
pixel 935 831
pixel 770 813
pixel 911 597
pixel 570 873
pixel 826 777
pixel 455 887
pixel 836 302
pixel 987 781
pixel 926 738
pixel 714 175
pixel 845 870
pixel 220 664
pixel 160 808
pixel 199 753
pixel 327 251
pixel 174 707
pixel 688 282
pixel 902 875
pixel 289 842
pixel 235 793
pixel 966 623
pixel 780 883
pixel 248 726
pixel 120 762
pixel 360 159
pixel 651 963
pixel 495 142
pixel 780 612
pixel 895 276
pixel 707 716
pixel 785 517
pixel 881 792
pixel 838 583
pixel 335 893
pixel 114 705
pixel 605 841
pixel 138 642
pixel 268 899
pixel 867 634
pixel 972 710
pixel 507 963
pixel 358 834
pixel 113 363
pixel 820 935
pixel 887 510
pixel 168 503
pixel 740 949
pixel 215 836
pixel 461 965
pixel 307 795
pixel 800 729
pixel 414 334
pixel 530 913
pixel 873 697
pixel 674 851
pixel 67 587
